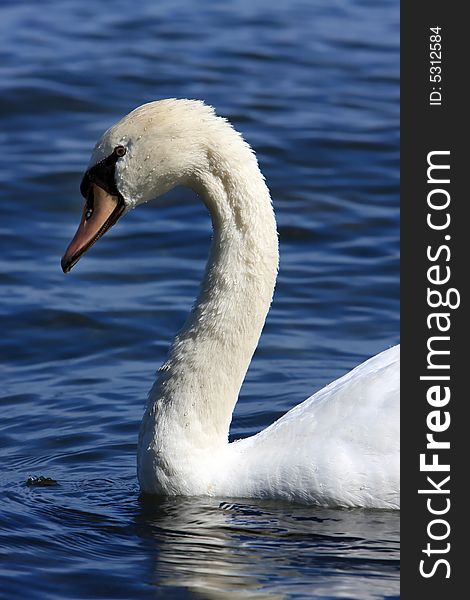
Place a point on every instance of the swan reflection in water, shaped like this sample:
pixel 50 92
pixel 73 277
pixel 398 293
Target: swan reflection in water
pixel 265 549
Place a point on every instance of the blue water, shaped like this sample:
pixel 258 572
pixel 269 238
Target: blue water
pixel 313 86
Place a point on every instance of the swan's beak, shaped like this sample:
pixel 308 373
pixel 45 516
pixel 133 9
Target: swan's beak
pixel 100 212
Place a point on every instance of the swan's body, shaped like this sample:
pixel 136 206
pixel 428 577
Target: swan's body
pixel 339 447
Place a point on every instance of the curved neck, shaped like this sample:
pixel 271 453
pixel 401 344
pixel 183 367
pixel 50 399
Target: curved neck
pixel 198 386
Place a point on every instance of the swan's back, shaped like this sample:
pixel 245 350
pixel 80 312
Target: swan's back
pixel 340 446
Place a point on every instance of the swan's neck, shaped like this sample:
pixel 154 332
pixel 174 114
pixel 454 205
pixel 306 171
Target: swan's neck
pixel 191 404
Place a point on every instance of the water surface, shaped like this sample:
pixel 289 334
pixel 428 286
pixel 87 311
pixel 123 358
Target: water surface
pixel 313 86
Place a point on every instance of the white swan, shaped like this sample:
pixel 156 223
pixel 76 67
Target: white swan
pixel 338 448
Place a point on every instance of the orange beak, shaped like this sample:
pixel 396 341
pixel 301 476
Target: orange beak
pixel 101 211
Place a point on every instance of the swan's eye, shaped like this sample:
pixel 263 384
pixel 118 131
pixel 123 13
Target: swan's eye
pixel 120 151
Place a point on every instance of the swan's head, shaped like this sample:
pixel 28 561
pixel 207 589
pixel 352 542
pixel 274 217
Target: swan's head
pixel 154 148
